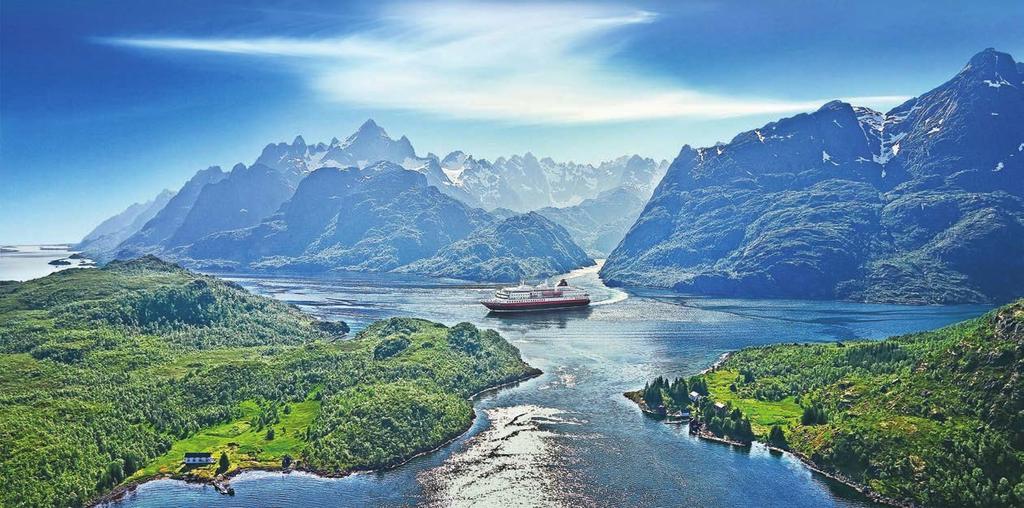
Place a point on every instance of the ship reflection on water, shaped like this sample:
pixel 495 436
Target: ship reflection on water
pixel 539 319
pixel 569 437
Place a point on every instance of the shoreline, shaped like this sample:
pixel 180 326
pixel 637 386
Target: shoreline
pixel 815 468
pixel 864 490
pixel 222 483
pixel 718 363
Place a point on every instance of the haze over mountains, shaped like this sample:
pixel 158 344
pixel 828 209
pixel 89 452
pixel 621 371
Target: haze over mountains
pixel 110 233
pixel 924 203
pixel 370 203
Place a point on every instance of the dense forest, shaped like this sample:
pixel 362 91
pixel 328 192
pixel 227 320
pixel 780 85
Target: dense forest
pixel 936 417
pixel 109 375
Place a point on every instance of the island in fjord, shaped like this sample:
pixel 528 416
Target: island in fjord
pixel 930 418
pixel 110 376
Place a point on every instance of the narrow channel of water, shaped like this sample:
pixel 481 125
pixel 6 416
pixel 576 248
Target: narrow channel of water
pixel 569 437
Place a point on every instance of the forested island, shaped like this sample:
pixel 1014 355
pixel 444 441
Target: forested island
pixel 932 418
pixel 109 376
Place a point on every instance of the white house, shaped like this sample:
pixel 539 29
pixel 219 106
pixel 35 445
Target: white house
pixel 192 458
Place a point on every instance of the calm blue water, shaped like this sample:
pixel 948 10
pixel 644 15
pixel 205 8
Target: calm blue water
pixel 30 261
pixel 569 437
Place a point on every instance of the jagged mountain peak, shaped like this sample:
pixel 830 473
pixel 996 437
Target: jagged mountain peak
pixel 923 203
pixel 456 157
pixel 369 127
pixel 990 61
pixel 835 105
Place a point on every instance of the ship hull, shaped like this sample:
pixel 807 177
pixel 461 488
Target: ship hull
pixel 534 306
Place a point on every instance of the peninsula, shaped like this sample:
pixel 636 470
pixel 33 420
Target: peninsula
pixel 116 375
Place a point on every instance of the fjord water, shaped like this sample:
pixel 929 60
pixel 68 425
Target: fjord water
pixel 569 437
pixel 25 262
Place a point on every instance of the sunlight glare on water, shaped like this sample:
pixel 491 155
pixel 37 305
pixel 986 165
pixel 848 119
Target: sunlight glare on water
pixel 569 437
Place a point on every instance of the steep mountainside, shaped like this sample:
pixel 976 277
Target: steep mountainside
pixel 111 232
pixel 520 247
pixel 243 199
pixel 599 224
pixel 376 218
pixel 246 197
pixel 249 195
pixel 922 204
pixel 934 418
pixel 161 227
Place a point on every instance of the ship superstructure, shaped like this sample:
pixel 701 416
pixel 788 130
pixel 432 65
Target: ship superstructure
pixel 542 297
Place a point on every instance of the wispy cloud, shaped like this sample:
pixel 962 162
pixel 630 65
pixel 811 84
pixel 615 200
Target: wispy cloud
pixel 544 63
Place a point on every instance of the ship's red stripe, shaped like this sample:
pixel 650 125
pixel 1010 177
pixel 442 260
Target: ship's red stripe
pixel 523 305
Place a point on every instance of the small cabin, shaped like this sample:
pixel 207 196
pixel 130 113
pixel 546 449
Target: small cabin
pixel 694 396
pixel 720 407
pixel 192 458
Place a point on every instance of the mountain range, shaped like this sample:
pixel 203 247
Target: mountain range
pixel 110 233
pixel 525 183
pixel 922 204
pixel 598 224
pixel 376 218
pixel 370 203
pixel 520 182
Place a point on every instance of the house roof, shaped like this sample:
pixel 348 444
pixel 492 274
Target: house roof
pixel 192 455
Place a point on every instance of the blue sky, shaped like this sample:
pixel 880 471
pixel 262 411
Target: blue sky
pixel 105 103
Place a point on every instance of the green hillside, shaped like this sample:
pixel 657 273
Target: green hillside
pixel 109 375
pixel 933 417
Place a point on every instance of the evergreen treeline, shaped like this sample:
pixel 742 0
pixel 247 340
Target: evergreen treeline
pixel 729 422
pixel 935 417
pixel 102 370
pixel 672 394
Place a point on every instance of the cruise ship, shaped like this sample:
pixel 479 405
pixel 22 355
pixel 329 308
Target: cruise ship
pixel 523 298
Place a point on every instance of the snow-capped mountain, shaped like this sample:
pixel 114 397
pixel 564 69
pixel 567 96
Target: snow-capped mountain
pixel 924 203
pixel 524 183
pixel 367 145
pixel 215 202
pixel 518 182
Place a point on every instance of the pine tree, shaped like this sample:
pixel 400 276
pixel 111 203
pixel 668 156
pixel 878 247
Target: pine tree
pixel 224 463
pixel 776 437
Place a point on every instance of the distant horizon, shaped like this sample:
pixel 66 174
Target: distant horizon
pixel 122 100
